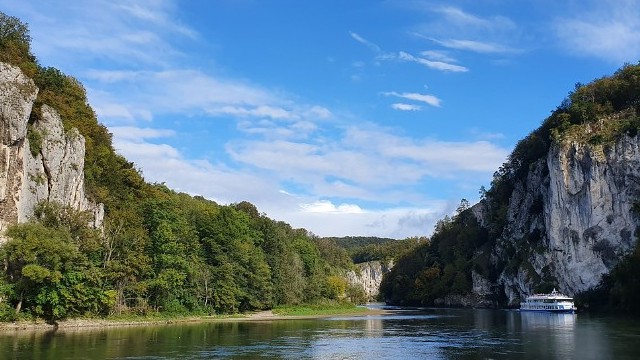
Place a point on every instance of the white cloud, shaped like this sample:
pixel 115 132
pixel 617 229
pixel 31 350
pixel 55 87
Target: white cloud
pixel 438 55
pixel 112 110
pixel 393 222
pixel 406 107
pixel 274 130
pixel 457 29
pixel 258 111
pixel 436 65
pixel 425 98
pixel 192 91
pixel 114 31
pixel 436 61
pixel 159 16
pixel 135 134
pixel 317 112
pixel 433 157
pixel 604 30
pixel 326 206
pixel 370 163
pixel 164 163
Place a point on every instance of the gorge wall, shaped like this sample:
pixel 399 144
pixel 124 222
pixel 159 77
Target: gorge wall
pixel 368 275
pixel 570 221
pixel 53 172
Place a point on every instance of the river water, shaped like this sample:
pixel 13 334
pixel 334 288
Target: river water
pixel 403 334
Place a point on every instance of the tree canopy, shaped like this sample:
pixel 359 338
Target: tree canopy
pixel 159 250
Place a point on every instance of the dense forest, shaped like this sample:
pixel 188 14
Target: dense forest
pixel 595 114
pixel 159 250
pixel 363 249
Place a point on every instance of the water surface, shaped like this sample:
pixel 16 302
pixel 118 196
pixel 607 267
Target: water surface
pixel 403 334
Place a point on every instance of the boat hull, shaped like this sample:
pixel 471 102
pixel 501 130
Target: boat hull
pixel 557 311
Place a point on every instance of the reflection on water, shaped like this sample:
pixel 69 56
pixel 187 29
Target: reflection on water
pixel 410 333
pixel 555 331
pixel 536 320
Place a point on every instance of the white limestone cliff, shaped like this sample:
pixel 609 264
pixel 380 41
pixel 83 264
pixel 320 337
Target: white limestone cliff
pixel 56 173
pixel 571 220
pixel 368 275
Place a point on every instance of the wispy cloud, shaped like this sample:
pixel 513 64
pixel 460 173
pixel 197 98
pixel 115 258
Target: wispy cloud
pixel 193 92
pixel 158 15
pixel 425 98
pixel 364 41
pixel 406 107
pixel 370 159
pixel 604 30
pixel 118 31
pixel 258 111
pixel 438 55
pixel 276 130
pixel 136 134
pixel 436 60
pixel 456 29
pixel 464 20
pixel 436 65
pixel 475 46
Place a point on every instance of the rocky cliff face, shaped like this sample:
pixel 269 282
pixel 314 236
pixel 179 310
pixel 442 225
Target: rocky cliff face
pixel 369 276
pixel 54 173
pixel 571 220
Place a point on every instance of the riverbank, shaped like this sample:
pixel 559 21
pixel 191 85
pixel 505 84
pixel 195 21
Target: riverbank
pixel 267 315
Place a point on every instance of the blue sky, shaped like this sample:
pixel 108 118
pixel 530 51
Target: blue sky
pixel 342 117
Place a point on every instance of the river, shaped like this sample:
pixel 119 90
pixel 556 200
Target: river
pixel 403 334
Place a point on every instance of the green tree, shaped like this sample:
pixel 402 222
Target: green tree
pixel 51 277
pixel 15 43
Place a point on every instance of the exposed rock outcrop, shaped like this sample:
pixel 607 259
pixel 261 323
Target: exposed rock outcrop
pixel 480 297
pixel 368 275
pixel 54 173
pixel 571 220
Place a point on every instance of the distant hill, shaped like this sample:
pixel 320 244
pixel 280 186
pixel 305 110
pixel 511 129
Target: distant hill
pixel 351 242
pixel 367 248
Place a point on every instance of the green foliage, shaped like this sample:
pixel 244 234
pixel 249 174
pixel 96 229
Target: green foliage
pixel 35 140
pixel 385 251
pixel 439 267
pixel 363 249
pixel 356 295
pixel 159 251
pixel 333 254
pixel 15 43
pixel 322 308
pixel 351 242
pixel 336 287
pixel 49 274
pixel 110 179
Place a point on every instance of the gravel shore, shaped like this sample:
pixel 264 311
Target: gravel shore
pixel 267 315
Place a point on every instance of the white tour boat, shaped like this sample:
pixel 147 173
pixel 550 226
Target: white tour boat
pixel 554 302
